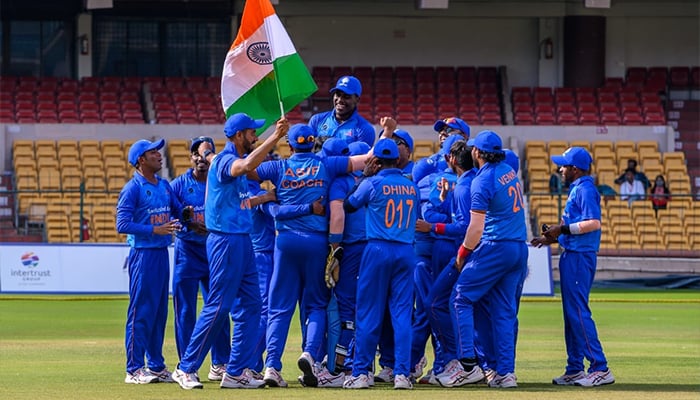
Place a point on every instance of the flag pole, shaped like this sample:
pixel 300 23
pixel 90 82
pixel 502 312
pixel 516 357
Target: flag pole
pixel 277 86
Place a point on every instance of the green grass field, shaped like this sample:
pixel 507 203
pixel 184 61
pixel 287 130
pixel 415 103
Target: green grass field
pixel 55 347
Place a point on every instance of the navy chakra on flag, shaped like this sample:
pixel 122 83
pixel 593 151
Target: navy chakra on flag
pixel 259 53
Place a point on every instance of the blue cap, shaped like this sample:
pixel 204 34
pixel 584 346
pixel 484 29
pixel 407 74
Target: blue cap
pixel 301 136
pixel 449 142
pixel 334 147
pixel 454 123
pixel 348 85
pixel 141 146
pixel 358 148
pixel 406 137
pixel 198 140
pixel 239 122
pixel 487 141
pixel 386 149
pixel 512 159
pixel 576 156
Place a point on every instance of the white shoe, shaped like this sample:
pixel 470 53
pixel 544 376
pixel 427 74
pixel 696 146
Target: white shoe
pixel 489 374
pixel 306 365
pixel 450 368
pixel 273 378
pixel 163 376
pixel 568 380
pixel 506 381
pixel 428 379
pixel 385 375
pixel 141 376
pixel 418 369
pixel 356 382
pixel 402 382
pixel 216 372
pixel 370 376
pixel 328 380
pixel 460 377
pixel 245 380
pixel 187 380
pixel 597 378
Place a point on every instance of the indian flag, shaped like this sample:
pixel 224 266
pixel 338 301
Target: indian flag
pixel 262 68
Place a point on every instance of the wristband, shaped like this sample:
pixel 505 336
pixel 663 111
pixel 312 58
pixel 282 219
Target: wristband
pixel 575 229
pixel 439 228
pixel 463 252
pixel 335 237
pixel 565 230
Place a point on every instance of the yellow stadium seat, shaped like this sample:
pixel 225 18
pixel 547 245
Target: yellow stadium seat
pixel 581 143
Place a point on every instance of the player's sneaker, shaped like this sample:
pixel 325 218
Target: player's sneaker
pixel 506 381
pixel 141 376
pixel 216 372
pixel 568 379
pixel 186 380
pixel 385 375
pixel 273 378
pixel 243 381
pixel 402 382
pixel 418 368
pixel 328 380
pixel 163 376
pixel 356 382
pixel 428 378
pixel 460 377
pixel 489 374
pixel 597 378
pixel 451 368
pixel 306 365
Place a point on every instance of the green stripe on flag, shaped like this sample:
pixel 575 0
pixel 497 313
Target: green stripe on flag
pixel 262 102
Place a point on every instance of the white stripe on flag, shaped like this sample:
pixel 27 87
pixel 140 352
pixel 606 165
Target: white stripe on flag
pixel 240 74
pixel 280 43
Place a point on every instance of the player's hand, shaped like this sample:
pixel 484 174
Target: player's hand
pixel 317 207
pixel 168 228
pixel 459 263
pixel 389 126
pixel 371 166
pixel 444 188
pixel 198 227
pixel 281 128
pixel 423 226
pixel 542 241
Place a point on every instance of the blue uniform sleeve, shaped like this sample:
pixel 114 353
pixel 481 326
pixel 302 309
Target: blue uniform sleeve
pixel 270 171
pixel 287 211
pixel 460 214
pixel 367 134
pixel 588 202
pixel 126 206
pixel 359 198
pixel 314 121
pixel 176 205
pixel 423 168
pixel 339 189
pixel 433 214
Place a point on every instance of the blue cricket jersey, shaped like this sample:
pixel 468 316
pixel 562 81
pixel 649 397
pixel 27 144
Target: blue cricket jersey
pixel 392 206
pixel 583 204
pixel 432 209
pixel 302 179
pixel 190 192
pixel 354 230
pixel 143 205
pixel 354 129
pixel 460 205
pixel 429 165
pixel 496 189
pixel 226 195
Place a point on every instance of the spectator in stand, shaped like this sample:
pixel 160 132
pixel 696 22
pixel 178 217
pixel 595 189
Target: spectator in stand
pixel 631 189
pixel 343 121
pixel 632 164
pixel 660 194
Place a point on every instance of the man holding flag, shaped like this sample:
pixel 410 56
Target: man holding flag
pixel 262 78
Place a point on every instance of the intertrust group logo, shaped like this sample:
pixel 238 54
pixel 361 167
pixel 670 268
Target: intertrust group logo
pixel 30 260
pixel 30 274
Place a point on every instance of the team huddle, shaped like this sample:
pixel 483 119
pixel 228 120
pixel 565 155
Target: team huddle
pixel 379 254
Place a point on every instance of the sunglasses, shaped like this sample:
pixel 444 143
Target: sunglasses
pixel 399 141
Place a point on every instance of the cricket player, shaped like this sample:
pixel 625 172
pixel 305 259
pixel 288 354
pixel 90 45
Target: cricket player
pixel 234 285
pixel 391 202
pixel 148 213
pixel 191 270
pixel 496 227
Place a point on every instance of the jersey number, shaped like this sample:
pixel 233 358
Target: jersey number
pixel 403 209
pixel 516 194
